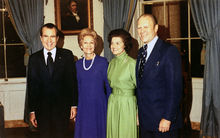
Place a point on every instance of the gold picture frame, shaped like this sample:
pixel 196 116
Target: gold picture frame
pixel 66 20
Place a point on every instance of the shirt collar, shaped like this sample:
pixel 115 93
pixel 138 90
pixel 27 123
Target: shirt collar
pixel 152 42
pixel 150 46
pixel 122 55
pixel 53 52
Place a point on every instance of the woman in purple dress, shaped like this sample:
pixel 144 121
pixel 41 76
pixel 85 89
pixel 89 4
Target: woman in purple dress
pixel 93 88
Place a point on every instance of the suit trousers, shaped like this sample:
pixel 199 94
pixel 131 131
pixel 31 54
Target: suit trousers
pixel 52 124
pixel 156 134
pixel 53 129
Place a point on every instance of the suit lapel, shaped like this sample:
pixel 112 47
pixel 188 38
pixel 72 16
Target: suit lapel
pixel 152 60
pixel 58 59
pixel 43 64
pixel 42 59
pixel 155 54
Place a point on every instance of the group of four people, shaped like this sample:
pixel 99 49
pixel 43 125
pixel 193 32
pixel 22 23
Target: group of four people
pixel 101 97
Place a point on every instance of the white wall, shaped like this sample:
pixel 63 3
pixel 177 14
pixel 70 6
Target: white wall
pixel 12 97
pixel 196 110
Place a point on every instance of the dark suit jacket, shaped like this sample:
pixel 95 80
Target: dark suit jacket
pixel 52 96
pixel 159 91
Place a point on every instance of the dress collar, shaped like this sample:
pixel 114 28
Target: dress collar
pixel 122 56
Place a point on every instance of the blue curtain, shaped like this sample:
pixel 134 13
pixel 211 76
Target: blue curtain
pixel 117 14
pixel 206 16
pixel 27 17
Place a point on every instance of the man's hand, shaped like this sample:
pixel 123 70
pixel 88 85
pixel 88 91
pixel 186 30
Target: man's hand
pixel 164 125
pixel 137 120
pixel 73 113
pixel 33 119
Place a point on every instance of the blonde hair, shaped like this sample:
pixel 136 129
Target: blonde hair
pixel 85 32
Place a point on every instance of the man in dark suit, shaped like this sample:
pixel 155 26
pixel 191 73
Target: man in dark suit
pixel 52 86
pixel 159 83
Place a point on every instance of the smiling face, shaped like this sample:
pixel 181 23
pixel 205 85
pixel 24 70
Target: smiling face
pixel 49 38
pixel 147 29
pixel 117 46
pixel 88 44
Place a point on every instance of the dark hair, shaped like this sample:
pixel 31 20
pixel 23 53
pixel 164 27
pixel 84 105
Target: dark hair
pixel 70 1
pixel 124 35
pixel 154 19
pixel 50 26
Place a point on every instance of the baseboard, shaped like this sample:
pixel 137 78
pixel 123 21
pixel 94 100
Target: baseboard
pixel 15 123
pixel 195 125
pixel 21 123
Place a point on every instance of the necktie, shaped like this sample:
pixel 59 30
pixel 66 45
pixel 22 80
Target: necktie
pixel 50 63
pixel 142 61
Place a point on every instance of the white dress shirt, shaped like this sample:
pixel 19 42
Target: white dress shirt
pixel 53 54
pixel 150 46
pixel 76 16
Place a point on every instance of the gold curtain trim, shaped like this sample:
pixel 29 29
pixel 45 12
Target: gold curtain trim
pixel 7 5
pixel 130 14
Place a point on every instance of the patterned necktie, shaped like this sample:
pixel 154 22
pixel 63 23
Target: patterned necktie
pixel 50 63
pixel 142 61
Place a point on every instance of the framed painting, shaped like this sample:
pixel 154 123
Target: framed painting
pixel 73 15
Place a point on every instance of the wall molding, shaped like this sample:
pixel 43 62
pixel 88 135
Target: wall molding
pixel 195 126
pixel 15 123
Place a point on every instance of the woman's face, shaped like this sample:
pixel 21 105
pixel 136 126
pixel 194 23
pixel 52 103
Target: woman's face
pixel 88 44
pixel 117 46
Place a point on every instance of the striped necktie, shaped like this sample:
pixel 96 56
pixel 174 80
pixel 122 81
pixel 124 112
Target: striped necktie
pixel 142 61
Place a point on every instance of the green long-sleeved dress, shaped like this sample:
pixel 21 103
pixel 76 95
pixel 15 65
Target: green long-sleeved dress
pixel 122 106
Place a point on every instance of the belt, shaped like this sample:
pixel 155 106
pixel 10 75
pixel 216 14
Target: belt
pixel 123 92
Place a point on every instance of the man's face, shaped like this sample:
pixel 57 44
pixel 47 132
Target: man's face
pixel 49 38
pixel 73 7
pixel 146 29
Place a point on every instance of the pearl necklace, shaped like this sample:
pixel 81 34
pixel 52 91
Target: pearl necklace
pixel 84 65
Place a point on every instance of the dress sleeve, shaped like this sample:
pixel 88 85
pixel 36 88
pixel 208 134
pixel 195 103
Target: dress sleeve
pixel 107 86
pixel 132 71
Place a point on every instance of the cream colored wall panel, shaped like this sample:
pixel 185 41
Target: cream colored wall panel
pixel 196 110
pixel 12 96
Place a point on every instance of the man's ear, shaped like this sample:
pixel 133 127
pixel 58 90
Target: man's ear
pixel 156 28
pixel 41 38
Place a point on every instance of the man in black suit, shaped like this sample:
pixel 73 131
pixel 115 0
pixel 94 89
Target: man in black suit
pixel 52 86
pixel 159 83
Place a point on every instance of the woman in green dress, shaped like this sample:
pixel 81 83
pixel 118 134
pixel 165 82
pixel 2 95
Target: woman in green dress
pixel 122 106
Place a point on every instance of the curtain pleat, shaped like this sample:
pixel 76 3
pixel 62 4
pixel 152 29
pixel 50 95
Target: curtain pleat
pixel 117 14
pixel 27 17
pixel 206 16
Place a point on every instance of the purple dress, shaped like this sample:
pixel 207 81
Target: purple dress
pixel 93 92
